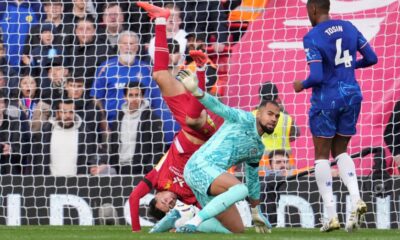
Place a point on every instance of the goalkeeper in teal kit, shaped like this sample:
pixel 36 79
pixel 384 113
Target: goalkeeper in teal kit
pixel 237 141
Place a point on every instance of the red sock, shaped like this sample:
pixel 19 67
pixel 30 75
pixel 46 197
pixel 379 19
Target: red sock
pixel 161 55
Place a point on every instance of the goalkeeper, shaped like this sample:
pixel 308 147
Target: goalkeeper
pixel 197 127
pixel 238 140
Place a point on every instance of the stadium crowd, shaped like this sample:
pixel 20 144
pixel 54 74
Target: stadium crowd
pixel 76 76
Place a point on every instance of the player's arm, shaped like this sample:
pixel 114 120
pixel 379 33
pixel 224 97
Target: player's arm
pixel 230 114
pixel 369 56
pixel 261 223
pixel 253 181
pixel 143 188
pixel 314 60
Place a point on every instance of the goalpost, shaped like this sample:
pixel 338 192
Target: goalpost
pixel 262 42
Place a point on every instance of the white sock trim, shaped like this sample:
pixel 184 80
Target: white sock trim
pixel 160 21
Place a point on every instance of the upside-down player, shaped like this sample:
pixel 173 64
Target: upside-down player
pixel 196 128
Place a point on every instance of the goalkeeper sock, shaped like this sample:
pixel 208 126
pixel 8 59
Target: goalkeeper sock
pixel 212 225
pixel 323 176
pixel 161 54
pixel 220 203
pixel 347 172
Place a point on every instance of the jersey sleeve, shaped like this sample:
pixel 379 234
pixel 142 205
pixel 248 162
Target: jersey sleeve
pixel 361 41
pixel 253 181
pixel 228 113
pixel 143 188
pixel 369 56
pixel 311 50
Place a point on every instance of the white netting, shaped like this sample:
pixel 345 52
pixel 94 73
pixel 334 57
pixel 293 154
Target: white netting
pixel 57 50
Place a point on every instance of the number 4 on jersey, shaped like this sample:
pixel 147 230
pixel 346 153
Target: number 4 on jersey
pixel 346 59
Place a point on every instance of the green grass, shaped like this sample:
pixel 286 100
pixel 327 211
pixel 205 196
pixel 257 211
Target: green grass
pixel 123 233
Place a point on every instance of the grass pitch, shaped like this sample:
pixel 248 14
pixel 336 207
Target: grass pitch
pixel 123 233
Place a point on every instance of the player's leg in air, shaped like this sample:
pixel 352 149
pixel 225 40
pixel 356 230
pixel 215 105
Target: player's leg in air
pixel 195 117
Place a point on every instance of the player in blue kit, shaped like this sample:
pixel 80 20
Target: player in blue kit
pixel 238 140
pixel 331 49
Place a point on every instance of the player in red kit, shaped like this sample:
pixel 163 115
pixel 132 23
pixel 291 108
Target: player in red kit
pixel 196 127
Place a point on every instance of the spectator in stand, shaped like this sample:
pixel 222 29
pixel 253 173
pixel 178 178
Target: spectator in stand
pixel 279 163
pixel 63 147
pixel 62 32
pixel 79 10
pixel 88 51
pixel 29 96
pixel 14 142
pixel 43 54
pixel 113 75
pixel 16 20
pixel 392 134
pixel 84 108
pixel 174 31
pixel 208 17
pixel 136 138
pixel 52 90
pixel 113 25
pixel 52 86
pixel 8 76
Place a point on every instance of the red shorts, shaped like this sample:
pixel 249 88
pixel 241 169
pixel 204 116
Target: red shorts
pixel 178 105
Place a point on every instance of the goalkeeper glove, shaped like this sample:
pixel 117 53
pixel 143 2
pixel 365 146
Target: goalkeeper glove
pixel 190 81
pixel 260 222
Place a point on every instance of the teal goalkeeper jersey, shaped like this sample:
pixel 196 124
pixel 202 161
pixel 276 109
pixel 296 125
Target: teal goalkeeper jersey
pixel 236 141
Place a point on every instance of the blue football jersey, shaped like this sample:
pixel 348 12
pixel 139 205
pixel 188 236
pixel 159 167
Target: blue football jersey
pixel 335 43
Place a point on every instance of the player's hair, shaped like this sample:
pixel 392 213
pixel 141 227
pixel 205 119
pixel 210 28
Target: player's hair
pixel 134 85
pixel 265 102
pixel 273 153
pixel 320 4
pixel 154 211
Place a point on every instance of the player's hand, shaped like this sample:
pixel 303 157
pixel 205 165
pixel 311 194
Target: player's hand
pixel 261 223
pixel 190 81
pixel 199 57
pixel 298 86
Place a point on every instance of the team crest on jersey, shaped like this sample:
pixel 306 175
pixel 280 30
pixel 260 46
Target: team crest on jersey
pixel 168 185
pixel 29 18
pixel 253 151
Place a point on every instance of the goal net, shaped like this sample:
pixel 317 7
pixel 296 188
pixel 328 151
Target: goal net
pixel 77 134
